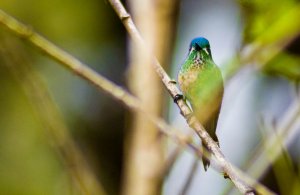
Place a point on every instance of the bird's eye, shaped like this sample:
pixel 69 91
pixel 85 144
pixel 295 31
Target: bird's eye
pixel 197 47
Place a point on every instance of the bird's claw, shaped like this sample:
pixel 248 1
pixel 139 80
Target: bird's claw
pixel 225 175
pixel 172 81
pixel 178 97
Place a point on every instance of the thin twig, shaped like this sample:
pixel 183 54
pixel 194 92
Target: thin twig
pixel 170 162
pixel 245 184
pixel 185 110
pixel 284 130
pixel 49 116
pixel 191 175
pixel 269 150
pixel 282 167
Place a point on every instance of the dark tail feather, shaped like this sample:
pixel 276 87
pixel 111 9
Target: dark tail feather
pixel 206 153
pixel 205 157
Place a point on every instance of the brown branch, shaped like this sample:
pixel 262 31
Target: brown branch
pixel 173 90
pixel 242 182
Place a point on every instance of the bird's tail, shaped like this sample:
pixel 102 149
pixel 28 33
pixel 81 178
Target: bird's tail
pixel 206 153
pixel 205 157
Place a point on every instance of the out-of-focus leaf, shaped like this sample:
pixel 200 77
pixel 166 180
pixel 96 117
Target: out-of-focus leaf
pixel 269 21
pixel 284 64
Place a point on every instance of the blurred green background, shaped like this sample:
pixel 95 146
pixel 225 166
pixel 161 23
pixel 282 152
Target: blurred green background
pixel 91 31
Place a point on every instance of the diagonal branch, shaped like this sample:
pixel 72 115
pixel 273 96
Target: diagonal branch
pixel 173 90
pixel 269 150
pixel 245 184
pixel 48 114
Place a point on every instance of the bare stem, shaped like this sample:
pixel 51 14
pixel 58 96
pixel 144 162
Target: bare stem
pixel 50 118
pixel 242 182
pixel 173 90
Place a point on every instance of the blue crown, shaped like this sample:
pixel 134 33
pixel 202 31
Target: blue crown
pixel 201 42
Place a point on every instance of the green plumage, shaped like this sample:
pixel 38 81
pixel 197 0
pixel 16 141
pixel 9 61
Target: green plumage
pixel 202 85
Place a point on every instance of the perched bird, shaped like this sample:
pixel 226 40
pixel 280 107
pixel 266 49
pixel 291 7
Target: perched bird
pixel 201 83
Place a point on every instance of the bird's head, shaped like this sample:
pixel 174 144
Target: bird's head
pixel 200 50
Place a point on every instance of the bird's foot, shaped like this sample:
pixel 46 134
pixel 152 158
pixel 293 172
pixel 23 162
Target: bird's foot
pixel 172 81
pixel 181 97
pixel 178 97
pixel 225 175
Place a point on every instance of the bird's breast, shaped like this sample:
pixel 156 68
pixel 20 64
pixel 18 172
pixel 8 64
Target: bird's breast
pixel 187 79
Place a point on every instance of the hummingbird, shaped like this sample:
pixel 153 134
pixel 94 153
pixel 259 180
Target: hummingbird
pixel 201 83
